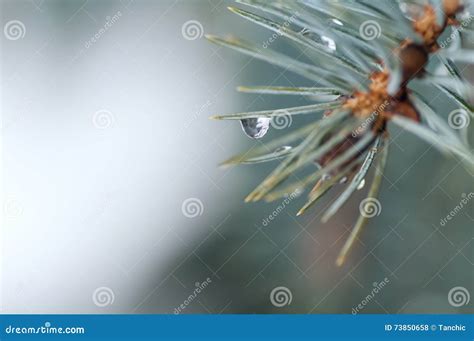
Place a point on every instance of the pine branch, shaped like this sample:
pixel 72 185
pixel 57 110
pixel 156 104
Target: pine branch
pixel 368 68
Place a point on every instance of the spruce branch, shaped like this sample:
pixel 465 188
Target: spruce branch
pixel 368 71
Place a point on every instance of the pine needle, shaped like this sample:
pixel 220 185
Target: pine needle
pixel 283 90
pixel 352 187
pixel 362 220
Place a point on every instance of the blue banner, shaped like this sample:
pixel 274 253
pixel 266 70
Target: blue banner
pixel 238 327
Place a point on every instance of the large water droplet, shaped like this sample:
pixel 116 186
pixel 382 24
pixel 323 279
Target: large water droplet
pixel 255 127
pixel 361 184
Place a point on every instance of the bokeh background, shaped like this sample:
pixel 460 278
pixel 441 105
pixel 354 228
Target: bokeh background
pixel 105 138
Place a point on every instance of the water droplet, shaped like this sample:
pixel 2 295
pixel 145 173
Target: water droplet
pixel 282 149
pixel 326 41
pixel 325 177
pixel 331 44
pixel 304 31
pixel 255 127
pixel 361 184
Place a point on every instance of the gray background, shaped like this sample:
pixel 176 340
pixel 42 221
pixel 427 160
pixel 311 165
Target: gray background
pixel 91 204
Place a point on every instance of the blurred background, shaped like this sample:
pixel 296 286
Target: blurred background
pixel 113 201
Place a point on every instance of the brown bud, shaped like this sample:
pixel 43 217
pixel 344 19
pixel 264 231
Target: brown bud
pixel 407 110
pixel 414 58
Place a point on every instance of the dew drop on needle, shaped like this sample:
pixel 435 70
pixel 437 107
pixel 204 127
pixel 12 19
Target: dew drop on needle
pixel 361 184
pixel 255 127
